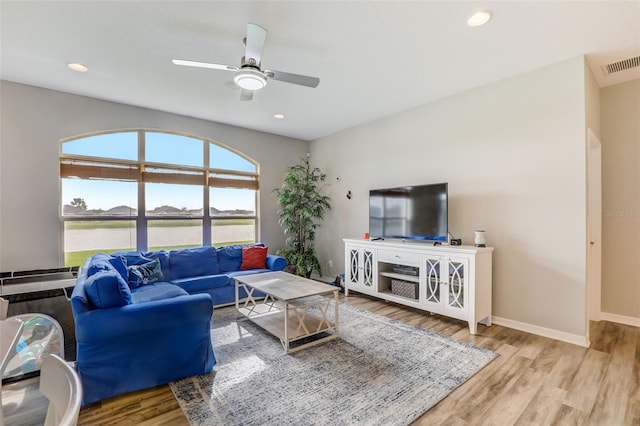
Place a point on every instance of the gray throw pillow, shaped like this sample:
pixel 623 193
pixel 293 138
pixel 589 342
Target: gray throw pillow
pixel 146 273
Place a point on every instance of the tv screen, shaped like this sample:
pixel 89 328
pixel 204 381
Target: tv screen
pixel 416 212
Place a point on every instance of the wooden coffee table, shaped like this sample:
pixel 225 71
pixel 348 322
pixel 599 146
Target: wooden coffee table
pixel 294 308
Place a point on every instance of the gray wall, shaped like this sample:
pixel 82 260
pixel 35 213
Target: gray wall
pixel 621 200
pixel 33 120
pixel 513 153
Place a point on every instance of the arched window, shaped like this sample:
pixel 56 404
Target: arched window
pixel 148 190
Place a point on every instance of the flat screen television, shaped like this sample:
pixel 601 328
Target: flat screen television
pixel 417 212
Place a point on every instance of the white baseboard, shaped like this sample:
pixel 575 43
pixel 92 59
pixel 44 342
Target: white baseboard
pixel 574 339
pixel 621 319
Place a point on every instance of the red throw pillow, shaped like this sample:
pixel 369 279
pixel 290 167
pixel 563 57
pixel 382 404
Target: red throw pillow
pixel 254 258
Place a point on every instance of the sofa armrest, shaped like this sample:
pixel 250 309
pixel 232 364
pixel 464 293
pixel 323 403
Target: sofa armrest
pixel 102 325
pixel 127 348
pixel 275 263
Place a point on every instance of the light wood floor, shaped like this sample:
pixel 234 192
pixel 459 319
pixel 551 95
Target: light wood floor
pixel 534 381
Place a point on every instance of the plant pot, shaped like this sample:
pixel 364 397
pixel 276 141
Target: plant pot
pixel 292 269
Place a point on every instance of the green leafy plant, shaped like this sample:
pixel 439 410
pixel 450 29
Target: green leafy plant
pixel 301 207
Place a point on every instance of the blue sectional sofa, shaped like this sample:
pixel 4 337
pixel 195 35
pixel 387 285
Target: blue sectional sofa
pixel 143 319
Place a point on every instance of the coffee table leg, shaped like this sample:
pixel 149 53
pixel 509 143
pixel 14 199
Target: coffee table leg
pixel 237 295
pixel 286 327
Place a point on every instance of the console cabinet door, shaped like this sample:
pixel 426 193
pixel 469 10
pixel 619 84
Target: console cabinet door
pixel 368 268
pixel 433 293
pixel 455 297
pixel 361 263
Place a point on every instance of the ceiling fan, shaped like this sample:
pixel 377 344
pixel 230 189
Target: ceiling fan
pixel 249 76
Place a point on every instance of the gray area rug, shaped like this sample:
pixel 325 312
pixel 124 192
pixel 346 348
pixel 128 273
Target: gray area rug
pixel 379 372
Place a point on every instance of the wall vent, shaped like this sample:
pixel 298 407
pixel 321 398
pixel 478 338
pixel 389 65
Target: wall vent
pixel 623 65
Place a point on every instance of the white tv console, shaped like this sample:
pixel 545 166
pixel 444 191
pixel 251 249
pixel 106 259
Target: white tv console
pixel 454 281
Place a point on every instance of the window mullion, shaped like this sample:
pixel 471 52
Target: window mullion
pixel 141 220
pixel 206 210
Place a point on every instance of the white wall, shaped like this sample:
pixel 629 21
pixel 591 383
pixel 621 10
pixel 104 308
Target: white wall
pixel 592 104
pixel 593 187
pixel 621 200
pixel 513 153
pixel 33 120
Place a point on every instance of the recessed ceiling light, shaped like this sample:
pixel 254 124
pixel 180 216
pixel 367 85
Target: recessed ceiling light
pixel 278 116
pixel 479 18
pixel 77 67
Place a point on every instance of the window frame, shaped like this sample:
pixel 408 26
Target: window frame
pixel 141 171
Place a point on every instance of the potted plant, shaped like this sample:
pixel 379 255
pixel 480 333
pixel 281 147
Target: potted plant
pixel 301 206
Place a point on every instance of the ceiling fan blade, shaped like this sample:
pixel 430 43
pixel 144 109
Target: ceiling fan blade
pixel 246 95
pixel 204 65
pixel 254 43
pixel 288 77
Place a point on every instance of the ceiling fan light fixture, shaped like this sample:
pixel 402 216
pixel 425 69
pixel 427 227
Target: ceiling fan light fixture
pixel 250 79
pixel 248 76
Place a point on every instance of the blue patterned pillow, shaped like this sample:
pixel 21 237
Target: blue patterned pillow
pixel 146 273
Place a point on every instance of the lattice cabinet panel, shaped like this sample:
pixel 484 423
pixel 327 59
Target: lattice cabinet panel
pixel 432 272
pixel 354 266
pixel 361 268
pixel 456 286
pixel 367 268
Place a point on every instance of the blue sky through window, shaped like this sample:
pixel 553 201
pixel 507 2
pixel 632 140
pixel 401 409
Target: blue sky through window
pixel 160 148
pixel 173 149
pixel 230 198
pixel 112 145
pixel 222 158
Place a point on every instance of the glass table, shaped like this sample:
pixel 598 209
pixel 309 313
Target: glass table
pixel 41 335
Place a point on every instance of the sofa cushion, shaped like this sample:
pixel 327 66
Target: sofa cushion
pixel 104 262
pixel 193 262
pixel 157 291
pixel 106 289
pixel 230 257
pixel 98 263
pixel 254 258
pixel 132 257
pixel 194 284
pixel 146 273
pixel 120 264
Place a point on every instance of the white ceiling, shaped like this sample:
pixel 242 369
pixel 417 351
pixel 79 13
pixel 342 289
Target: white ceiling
pixel 373 58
